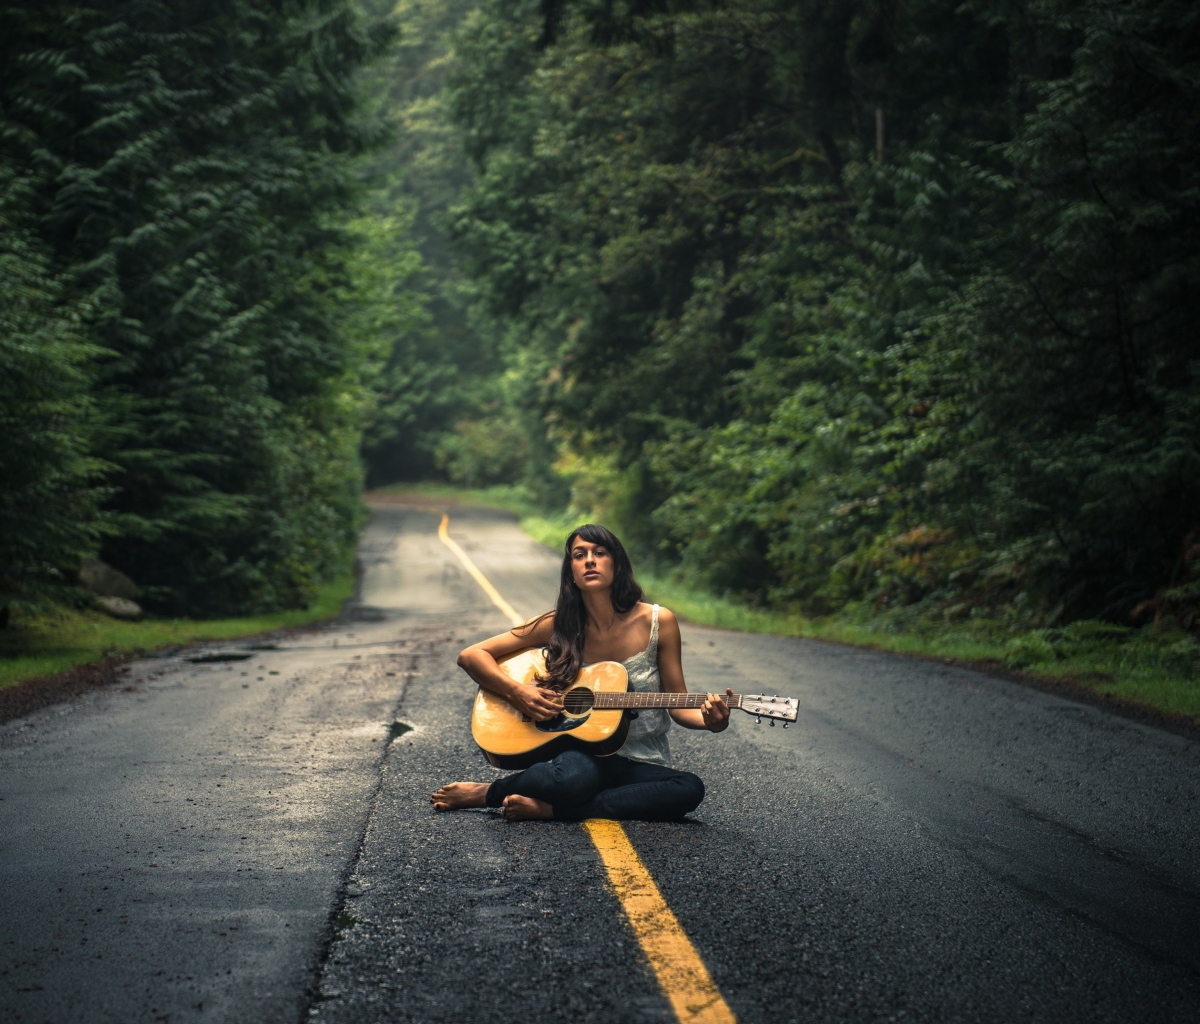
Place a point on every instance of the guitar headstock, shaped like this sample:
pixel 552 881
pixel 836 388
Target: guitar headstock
pixel 781 709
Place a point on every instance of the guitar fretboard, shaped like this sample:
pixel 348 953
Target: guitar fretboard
pixel 609 701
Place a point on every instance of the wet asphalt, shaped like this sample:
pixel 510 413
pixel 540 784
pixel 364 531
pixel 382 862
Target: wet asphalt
pixel 218 842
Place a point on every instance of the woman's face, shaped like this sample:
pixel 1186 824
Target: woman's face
pixel 591 565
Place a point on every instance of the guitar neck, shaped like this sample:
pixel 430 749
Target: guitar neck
pixel 635 699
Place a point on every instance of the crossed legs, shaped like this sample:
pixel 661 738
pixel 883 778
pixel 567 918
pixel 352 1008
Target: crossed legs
pixel 575 786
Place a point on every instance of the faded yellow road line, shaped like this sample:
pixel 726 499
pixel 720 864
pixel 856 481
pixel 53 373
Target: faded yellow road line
pixel 473 569
pixel 685 980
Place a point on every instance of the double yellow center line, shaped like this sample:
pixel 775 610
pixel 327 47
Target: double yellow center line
pixel 684 979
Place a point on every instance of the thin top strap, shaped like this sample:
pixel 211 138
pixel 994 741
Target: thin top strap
pixel 652 650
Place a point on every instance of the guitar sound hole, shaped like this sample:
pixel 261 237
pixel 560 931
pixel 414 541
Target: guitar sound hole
pixel 577 701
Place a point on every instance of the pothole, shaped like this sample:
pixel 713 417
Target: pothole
pixel 211 656
pixel 398 729
pixel 367 613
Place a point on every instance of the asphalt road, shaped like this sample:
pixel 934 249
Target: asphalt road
pixel 217 842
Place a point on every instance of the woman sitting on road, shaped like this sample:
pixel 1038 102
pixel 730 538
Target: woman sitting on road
pixel 599 616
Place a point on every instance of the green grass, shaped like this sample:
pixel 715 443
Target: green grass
pixel 39 645
pixel 1155 667
pixel 512 498
pixel 549 530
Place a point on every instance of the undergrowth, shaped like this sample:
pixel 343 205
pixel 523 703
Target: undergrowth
pixel 38 645
pixel 1157 666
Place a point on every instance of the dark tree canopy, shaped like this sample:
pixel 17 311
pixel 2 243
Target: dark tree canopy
pixel 182 172
pixel 834 303
pixel 856 301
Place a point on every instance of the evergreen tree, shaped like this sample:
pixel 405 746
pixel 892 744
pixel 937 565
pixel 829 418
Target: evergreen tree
pixel 196 161
pixel 49 500
pixel 869 302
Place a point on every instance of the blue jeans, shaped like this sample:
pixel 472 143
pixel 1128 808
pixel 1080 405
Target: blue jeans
pixel 577 786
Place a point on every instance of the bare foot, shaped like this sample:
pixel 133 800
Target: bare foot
pixel 526 808
pixel 454 795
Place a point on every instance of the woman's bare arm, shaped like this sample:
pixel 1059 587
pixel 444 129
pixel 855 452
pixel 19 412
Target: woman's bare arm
pixel 479 661
pixel 714 715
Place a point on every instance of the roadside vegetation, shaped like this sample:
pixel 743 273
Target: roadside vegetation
pixel 854 319
pixel 192 307
pixel 43 643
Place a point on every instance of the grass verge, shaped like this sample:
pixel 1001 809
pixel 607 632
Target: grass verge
pixel 511 498
pixel 1154 668
pixel 41 645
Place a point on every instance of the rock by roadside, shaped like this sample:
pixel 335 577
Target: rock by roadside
pixel 119 608
pixel 114 593
pixel 105 581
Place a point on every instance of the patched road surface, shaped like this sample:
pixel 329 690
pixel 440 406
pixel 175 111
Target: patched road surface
pixel 251 841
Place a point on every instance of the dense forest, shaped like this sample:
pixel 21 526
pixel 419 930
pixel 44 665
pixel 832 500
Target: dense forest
pixel 188 317
pixel 842 304
pixel 845 303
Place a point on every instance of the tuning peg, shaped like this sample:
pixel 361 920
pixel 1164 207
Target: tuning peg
pixel 772 723
pixel 757 721
pixel 785 725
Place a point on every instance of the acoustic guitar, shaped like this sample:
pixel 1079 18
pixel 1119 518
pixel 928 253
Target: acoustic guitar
pixel 595 714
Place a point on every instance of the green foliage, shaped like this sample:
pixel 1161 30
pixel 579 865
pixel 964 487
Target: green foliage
pixel 848 308
pixel 441 374
pixel 54 640
pixel 482 452
pixel 194 168
pixel 49 502
pixel 863 305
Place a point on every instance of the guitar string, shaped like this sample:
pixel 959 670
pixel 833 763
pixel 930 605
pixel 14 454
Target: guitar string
pixel 580 707
pixel 652 701
pixel 648 701
pixel 685 697
pixel 697 700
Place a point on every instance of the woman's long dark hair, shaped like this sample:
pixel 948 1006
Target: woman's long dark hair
pixel 564 652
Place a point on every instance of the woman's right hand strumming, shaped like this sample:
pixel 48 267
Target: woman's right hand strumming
pixel 535 702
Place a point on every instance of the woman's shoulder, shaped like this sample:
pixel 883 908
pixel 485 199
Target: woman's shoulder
pixel 667 618
pixel 538 629
pixel 665 615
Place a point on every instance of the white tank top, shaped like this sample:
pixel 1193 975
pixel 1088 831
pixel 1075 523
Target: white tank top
pixel 647 739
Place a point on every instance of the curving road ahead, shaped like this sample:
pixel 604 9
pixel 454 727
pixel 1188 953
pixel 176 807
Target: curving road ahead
pixel 250 840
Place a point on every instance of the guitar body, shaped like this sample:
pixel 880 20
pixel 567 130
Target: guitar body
pixel 510 740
